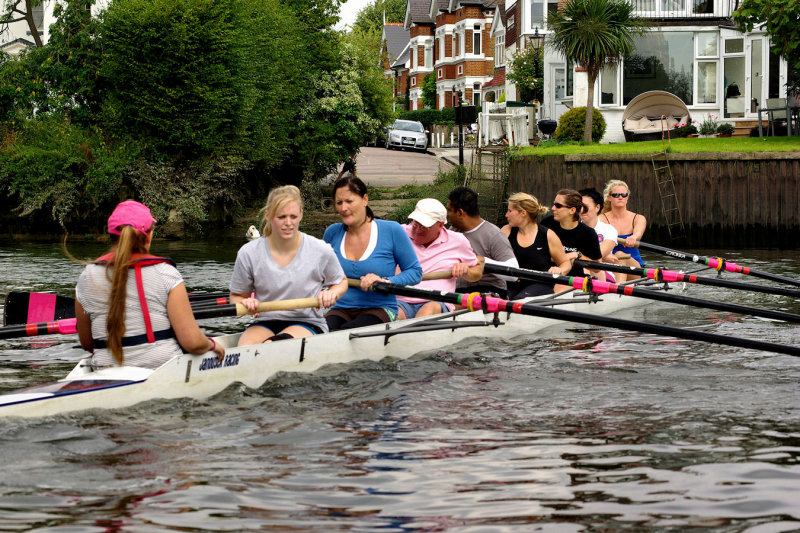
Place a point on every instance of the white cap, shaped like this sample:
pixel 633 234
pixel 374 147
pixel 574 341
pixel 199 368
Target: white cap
pixel 428 212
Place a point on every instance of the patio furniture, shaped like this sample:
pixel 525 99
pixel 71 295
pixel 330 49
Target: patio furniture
pixel 777 110
pixel 652 113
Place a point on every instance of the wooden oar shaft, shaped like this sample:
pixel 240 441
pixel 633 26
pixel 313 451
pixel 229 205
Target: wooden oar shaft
pixel 717 263
pixel 604 287
pixel 660 274
pixel 492 305
pixel 263 307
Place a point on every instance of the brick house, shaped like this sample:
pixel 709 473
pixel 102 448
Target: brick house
pixel 394 56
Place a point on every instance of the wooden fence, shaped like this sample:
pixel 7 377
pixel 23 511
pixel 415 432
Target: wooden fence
pixel 740 200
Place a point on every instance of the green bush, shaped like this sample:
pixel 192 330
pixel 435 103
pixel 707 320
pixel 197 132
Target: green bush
pixel 571 124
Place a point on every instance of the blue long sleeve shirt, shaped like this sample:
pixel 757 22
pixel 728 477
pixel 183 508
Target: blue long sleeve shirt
pixel 389 247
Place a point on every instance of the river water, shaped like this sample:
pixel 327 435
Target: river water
pixel 582 430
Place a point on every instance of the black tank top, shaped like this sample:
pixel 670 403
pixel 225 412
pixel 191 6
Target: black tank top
pixel 537 255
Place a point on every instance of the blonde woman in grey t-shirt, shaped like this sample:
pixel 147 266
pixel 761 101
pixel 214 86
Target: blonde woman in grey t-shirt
pixel 285 264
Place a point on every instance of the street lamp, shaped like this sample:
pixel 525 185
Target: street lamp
pixel 536 41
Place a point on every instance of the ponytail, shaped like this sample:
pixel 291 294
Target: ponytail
pixel 129 242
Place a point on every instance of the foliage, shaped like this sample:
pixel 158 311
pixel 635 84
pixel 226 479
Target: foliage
pixel 429 91
pixel 682 130
pixel 711 144
pixel 526 70
pixel 439 189
pixel 708 126
pixel 429 117
pixel 594 34
pixel 370 18
pixel 376 90
pixel 335 123
pixel 61 168
pixel 780 19
pixel 194 77
pixel 726 128
pixel 188 190
pixel 571 124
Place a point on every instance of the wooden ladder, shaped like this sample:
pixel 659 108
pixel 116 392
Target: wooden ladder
pixel 669 198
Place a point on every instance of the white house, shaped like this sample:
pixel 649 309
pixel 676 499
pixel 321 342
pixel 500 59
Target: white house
pixel 692 51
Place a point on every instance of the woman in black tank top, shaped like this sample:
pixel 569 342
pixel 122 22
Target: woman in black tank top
pixel 534 246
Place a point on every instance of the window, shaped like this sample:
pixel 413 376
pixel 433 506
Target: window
pixel 429 54
pixel 455 44
pixel 476 40
pixel 734 46
pixel 537 13
pixel 703 7
pixel 707 82
pixel 440 73
pixel 510 22
pixel 500 50
pixel 563 77
pixel 441 49
pixel 460 70
pixel 414 58
pixel 673 5
pixel 467 41
pixel 608 86
pixel 414 81
pixel 707 45
pixel 661 61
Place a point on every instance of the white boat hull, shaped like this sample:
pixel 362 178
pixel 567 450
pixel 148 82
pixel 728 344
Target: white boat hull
pixel 201 376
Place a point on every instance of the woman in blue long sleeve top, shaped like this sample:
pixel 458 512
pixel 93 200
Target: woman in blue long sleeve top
pixel 370 250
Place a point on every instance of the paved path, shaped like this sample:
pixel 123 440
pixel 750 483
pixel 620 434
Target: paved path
pixel 379 167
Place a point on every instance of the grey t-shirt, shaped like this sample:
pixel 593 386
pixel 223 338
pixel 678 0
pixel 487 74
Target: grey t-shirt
pixel 313 267
pixel 490 242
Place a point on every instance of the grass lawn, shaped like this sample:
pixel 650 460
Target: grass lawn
pixel 683 145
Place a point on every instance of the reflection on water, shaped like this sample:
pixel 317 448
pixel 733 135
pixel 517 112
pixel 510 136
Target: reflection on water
pixel 584 430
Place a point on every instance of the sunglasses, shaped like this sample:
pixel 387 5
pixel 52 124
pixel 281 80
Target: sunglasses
pixel 559 206
pixel 619 194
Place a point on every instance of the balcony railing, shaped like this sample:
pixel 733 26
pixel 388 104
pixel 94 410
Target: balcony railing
pixel 684 9
pixel 656 9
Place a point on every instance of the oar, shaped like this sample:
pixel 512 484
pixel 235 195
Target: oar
pixel 717 263
pixel 493 305
pixel 33 307
pixel 670 276
pixel 65 326
pixel 604 287
pixel 68 326
pixel 440 274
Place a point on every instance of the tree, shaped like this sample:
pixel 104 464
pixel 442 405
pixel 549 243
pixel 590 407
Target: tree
pixel 527 71
pixel 781 19
pixel 19 10
pixel 197 77
pixel 429 91
pixel 371 16
pixel 594 34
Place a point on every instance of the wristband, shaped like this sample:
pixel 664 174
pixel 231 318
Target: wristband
pixel 213 344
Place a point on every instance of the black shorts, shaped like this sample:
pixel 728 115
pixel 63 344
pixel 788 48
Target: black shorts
pixel 276 326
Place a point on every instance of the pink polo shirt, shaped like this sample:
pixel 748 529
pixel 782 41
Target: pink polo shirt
pixel 448 249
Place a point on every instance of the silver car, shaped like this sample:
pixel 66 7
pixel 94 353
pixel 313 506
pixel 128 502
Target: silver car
pixel 407 134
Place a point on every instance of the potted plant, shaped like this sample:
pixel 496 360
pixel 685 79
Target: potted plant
pixel 684 130
pixel 708 128
pixel 725 129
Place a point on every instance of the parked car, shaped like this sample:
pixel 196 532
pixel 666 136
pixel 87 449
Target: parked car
pixel 407 134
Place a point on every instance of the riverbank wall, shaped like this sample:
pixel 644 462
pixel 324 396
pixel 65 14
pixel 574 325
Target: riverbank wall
pixel 726 200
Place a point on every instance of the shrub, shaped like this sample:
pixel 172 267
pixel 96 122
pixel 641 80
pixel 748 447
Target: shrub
pixel 571 124
pixel 725 128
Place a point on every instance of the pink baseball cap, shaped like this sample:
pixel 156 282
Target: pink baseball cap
pixel 130 213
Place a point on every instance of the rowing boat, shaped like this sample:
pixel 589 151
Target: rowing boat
pixel 202 376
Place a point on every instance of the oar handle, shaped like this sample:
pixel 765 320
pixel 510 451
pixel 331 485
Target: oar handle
pixel 280 305
pixel 622 241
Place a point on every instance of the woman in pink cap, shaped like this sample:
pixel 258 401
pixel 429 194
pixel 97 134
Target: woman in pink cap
pixel 144 319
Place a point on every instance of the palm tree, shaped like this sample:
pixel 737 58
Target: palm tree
pixel 594 34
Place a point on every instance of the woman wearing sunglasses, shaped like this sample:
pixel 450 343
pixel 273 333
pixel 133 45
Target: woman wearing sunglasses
pixel 628 224
pixel 578 239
